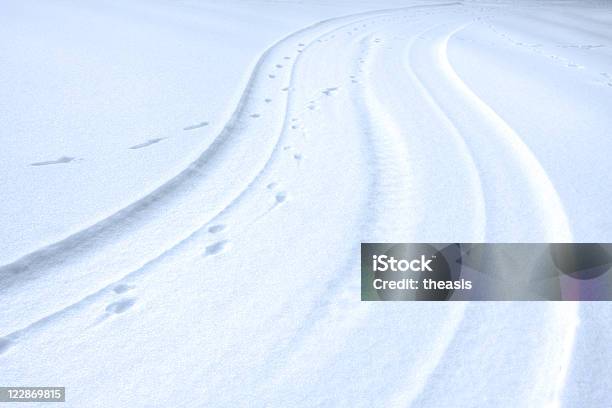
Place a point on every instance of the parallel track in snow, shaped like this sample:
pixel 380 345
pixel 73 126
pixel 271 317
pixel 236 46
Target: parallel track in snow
pixel 144 231
pixel 355 129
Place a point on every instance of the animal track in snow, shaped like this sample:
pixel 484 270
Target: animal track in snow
pixel 581 46
pixel 297 156
pixel 272 185
pixel 197 126
pixel 61 160
pixel 267 100
pixel 255 115
pixel 5 344
pixel 120 306
pixel 271 76
pixel 572 65
pixel 330 91
pixel 279 66
pixel 147 143
pixel 281 197
pixel 216 228
pixel 216 248
pixel 122 288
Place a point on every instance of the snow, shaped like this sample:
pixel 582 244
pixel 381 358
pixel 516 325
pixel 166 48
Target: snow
pixel 186 183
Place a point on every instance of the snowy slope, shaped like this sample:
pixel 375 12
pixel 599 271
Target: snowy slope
pixel 219 265
pixel 103 101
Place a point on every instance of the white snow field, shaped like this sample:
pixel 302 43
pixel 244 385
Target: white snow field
pixel 185 185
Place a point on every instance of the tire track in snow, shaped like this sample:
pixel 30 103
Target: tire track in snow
pixel 115 307
pixel 569 318
pixel 519 346
pixel 415 382
pixel 108 228
pixel 566 315
pixel 338 287
pixel 335 290
pixel 242 110
pixel 387 128
pixel 430 148
pixel 312 331
pixel 519 193
pixel 57 254
pixel 384 137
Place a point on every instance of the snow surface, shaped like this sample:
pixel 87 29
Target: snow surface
pixel 185 185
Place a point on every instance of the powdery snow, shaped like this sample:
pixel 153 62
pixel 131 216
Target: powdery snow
pixel 185 186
